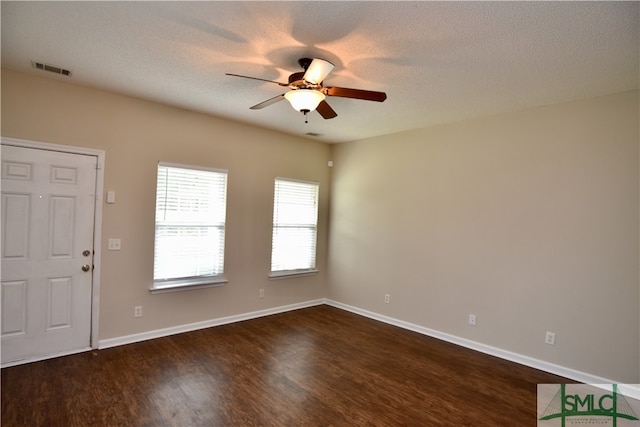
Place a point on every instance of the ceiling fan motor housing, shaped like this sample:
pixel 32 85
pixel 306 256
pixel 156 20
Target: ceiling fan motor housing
pixel 305 62
pixel 296 77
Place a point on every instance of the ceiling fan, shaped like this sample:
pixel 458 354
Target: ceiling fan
pixel 307 92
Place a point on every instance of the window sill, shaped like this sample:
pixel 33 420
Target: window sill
pixel 276 275
pixel 188 285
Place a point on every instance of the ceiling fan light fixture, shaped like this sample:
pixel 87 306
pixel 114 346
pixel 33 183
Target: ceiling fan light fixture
pixel 304 99
pixel 316 70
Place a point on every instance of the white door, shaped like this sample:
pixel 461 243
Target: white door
pixel 48 204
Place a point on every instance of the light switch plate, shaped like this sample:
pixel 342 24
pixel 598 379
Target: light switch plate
pixel 111 197
pixel 114 244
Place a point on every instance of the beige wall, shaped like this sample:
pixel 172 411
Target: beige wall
pixel 528 220
pixel 136 135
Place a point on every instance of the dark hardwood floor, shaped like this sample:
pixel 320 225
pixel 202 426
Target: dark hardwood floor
pixel 319 366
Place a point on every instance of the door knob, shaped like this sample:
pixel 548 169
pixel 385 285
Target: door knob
pixel 86 267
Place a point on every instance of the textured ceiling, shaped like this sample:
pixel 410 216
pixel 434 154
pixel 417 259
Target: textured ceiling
pixel 438 62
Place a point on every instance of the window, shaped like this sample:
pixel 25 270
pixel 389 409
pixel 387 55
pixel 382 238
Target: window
pixel 295 217
pixel 190 223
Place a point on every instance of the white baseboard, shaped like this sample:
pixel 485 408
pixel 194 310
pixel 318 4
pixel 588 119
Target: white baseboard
pixel 158 333
pixel 551 368
pixel 463 342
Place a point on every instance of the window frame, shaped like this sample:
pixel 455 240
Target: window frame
pixel 306 271
pixel 192 282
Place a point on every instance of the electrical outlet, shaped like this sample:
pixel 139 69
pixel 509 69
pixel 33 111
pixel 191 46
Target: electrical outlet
pixel 137 311
pixel 261 294
pixel 387 298
pixel 472 319
pixel 550 338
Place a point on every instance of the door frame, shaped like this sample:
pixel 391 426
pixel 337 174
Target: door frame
pixel 97 223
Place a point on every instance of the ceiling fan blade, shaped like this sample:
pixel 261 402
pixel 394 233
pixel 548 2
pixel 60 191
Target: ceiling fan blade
pixel 267 102
pixel 325 110
pixel 368 95
pixel 318 70
pixel 256 78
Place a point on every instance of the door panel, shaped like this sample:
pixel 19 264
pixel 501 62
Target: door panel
pixel 61 218
pixel 48 204
pixel 15 238
pixel 59 309
pixel 14 307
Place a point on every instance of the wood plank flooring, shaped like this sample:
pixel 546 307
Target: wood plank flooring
pixel 319 366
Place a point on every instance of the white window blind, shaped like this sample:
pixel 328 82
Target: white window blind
pixel 190 224
pixel 295 216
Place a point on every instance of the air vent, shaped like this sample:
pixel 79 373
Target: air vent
pixel 313 134
pixel 50 68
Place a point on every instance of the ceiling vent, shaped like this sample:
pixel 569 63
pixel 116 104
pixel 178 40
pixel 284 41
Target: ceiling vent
pixel 50 68
pixel 313 134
